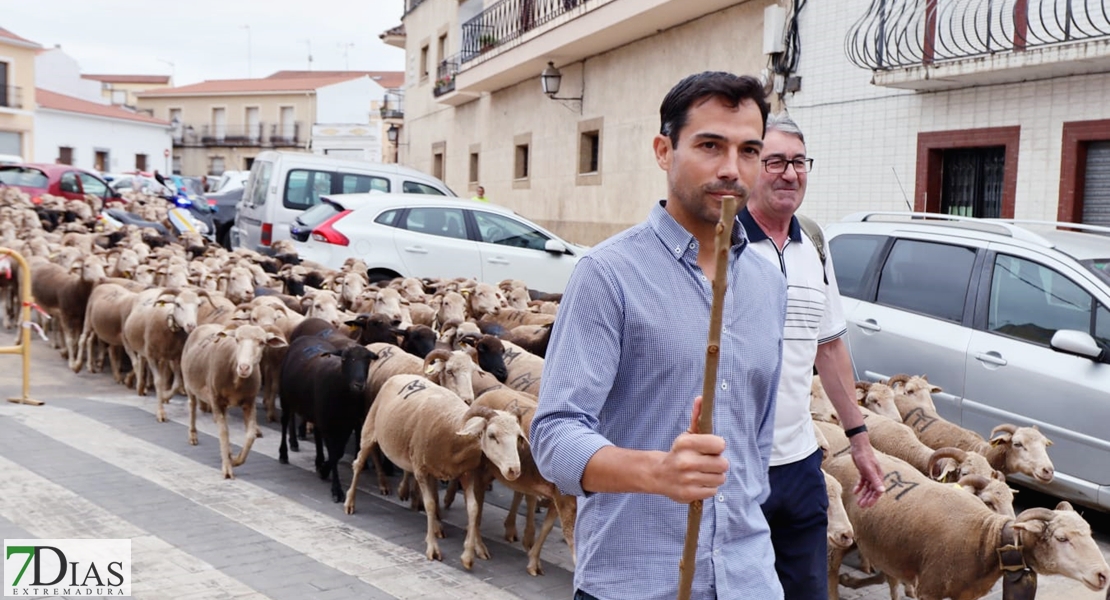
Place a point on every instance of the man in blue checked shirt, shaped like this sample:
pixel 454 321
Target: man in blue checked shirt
pixel 627 357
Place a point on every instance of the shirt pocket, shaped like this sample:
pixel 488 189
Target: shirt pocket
pixel 805 306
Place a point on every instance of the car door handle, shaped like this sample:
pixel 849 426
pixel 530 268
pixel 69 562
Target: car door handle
pixel 991 357
pixel 498 261
pixel 416 249
pixel 869 325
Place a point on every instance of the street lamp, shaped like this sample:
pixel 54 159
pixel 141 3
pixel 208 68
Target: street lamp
pixel 551 78
pixel 393 134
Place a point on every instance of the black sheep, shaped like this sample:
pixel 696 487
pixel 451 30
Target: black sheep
pixel 323 382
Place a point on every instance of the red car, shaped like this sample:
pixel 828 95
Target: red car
pixel 58 180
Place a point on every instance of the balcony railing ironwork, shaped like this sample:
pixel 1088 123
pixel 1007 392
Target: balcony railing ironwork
pixel 262 135
pixel 393 104
pixel 11 96
pixel 445 75
pixel 506 21
pixel 904 33
pixel 286 135
pixel 232 135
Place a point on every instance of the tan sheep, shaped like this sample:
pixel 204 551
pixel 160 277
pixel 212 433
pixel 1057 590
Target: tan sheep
pixel 220 368
pixel 154 335
pixel 530 483
pixel 1011 449
pixel 945 543
pixel 429 431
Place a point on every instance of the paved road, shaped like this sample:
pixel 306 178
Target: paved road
pixel 94 463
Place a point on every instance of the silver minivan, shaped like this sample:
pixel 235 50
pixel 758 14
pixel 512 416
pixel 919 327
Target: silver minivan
pixel 284 184
pixel 1011 319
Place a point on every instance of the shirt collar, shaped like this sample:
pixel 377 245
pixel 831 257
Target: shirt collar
pixel 677 240
pixel 756 233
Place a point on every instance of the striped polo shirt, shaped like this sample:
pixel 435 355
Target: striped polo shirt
pixel 814 316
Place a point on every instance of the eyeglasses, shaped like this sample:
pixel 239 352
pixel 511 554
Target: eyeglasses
pixel 778 165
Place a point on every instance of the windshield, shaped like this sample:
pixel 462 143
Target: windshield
pixel 23 176
pixel 1100 267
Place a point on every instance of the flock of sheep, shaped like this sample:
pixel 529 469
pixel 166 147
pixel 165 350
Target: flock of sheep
pixel 440 377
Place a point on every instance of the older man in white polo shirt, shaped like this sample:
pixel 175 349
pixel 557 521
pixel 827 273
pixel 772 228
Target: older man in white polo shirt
pixel 813 336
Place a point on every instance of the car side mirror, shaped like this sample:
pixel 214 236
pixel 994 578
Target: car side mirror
pixel 1077 343
pixel 555 247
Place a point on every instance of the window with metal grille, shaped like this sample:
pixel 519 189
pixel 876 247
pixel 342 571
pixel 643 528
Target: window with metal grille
pixel 972 181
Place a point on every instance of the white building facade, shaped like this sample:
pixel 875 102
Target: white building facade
pixel 98 137
pixel 345 124
pixel 1002 114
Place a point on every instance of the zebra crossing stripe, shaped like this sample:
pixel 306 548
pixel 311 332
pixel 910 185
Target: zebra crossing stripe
pixel 394 569
pixel 47 510
pixel 555 551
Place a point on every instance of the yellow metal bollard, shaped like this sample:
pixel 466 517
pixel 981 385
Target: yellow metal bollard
pixel 24 347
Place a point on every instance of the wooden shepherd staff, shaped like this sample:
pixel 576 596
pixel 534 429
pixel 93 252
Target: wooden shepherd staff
pixel 721 246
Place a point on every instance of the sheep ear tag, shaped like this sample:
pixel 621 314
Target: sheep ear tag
pixel 429 370
pixel 997 441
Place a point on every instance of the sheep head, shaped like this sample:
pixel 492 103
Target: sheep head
pixel 1026 451
pixel 878 398
pixel 452 370
pixel 250 340
pixel 1059 542
pixel 839 528
pixel 966 463
pixel 917 386
pixel 499 435
pixel 994 493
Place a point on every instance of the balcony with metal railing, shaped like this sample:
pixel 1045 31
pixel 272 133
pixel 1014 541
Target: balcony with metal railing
pixel 944 44
pixel 393 104
pixel 231 135
pixel 445 75
pixel 512 40
pixel 259 135
pixel 11 97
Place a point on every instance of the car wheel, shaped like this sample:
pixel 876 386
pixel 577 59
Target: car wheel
pixel 379 275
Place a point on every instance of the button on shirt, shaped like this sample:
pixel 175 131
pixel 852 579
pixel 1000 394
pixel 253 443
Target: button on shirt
pixel 813 316
pixel 626 359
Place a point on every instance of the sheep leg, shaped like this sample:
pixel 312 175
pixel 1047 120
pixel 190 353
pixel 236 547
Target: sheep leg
pixel 178 381
pixel 96 362
pixel 337 442
pixel 115 363
pixel 139 366
pixel 470 545
pixel 192 419
pixel 530 522
pixel 403 489
pixel 449 495
pixel 163 390
pixel 568 514
pixel 510 519
pixel 251 422
pixel 426 483
pixel 366 448
pixel 225 445
pixel 383 483
pixel 320 462
pixel 481 482
pixel 534 566
pixel 84 348
pixel 283 449
pixel 294 439
pixel 269 394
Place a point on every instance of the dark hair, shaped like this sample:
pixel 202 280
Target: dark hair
pixel 733 89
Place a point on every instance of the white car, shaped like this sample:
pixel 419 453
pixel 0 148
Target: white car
pixel 411 235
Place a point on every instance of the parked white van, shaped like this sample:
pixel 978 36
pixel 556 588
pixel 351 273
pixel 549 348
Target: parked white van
pixel 283 184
